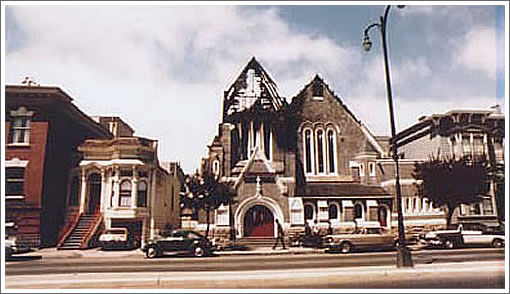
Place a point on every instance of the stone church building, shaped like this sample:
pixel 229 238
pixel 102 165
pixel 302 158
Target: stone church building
pixel 307 160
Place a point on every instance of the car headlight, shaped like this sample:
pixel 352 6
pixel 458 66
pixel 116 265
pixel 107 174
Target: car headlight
pixel 329 240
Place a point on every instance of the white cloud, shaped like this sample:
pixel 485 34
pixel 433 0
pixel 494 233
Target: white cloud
pixel 161 68
pixel 477 50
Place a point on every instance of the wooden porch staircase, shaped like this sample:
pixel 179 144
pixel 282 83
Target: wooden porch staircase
pixel 79 236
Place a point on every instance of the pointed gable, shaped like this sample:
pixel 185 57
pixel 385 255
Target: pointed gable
pixel 317 103
pixel 252 88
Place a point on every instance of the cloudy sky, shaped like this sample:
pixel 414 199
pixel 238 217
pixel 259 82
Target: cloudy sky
pixel 163 68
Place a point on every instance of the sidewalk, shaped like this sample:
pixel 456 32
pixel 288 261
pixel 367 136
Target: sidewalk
pixel 98 253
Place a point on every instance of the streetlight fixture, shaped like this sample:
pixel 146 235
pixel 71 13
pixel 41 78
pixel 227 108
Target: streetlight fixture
pixel 404 258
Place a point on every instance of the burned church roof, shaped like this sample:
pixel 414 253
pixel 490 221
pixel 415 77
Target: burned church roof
pixel 253 88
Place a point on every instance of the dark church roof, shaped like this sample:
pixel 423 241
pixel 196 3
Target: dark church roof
pixel 342 190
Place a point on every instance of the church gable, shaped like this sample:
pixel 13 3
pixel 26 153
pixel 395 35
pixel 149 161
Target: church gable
pixel 253 89
pixel 327 134
pixel 317 104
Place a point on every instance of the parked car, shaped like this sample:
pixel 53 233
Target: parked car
pixel 179 241
pixel 116 238
pixel 13 246
pixel 307 241
pixel 462 237
pixel 371 237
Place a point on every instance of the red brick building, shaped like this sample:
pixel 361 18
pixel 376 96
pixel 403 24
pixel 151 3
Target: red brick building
pixel 42 131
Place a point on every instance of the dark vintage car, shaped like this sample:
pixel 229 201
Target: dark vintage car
pixel 179 241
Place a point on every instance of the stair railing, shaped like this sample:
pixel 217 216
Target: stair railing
pixel 68 229
pixel 98 219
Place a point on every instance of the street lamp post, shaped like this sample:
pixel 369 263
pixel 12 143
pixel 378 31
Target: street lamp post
pixel 404 258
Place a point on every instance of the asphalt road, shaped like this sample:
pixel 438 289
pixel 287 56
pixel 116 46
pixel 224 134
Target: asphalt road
pixel 472 275
pixel 138 263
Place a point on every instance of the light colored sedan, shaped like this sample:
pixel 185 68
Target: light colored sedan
pixel 372 237
pixel 463 238
pixel 478 238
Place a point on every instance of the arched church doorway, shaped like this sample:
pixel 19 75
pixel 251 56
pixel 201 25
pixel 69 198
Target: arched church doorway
pixel 259 222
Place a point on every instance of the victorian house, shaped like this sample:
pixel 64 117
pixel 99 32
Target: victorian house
pixel 469 134
pixel 310 160
pixel 120 183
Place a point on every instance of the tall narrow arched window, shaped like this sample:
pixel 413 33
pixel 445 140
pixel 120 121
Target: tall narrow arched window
pixel 142 194
pixel 308 151
pixel 331 151
pixel 320 151
pixel 125 194
pixel 268 144
pixel 244 140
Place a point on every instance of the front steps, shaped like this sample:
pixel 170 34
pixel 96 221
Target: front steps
pixel 78 237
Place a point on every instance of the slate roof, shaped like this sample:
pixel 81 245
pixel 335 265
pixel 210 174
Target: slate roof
pixel 342 190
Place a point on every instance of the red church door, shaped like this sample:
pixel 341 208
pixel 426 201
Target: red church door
pixel 259 222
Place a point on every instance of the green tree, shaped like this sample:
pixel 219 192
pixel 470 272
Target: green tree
pixel 452 182
pixel 206 193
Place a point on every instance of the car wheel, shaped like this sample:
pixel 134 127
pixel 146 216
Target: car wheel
pixel 498 243
pixel 346 247
pixel 198 251
pixel 449 244
pixel 152 252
